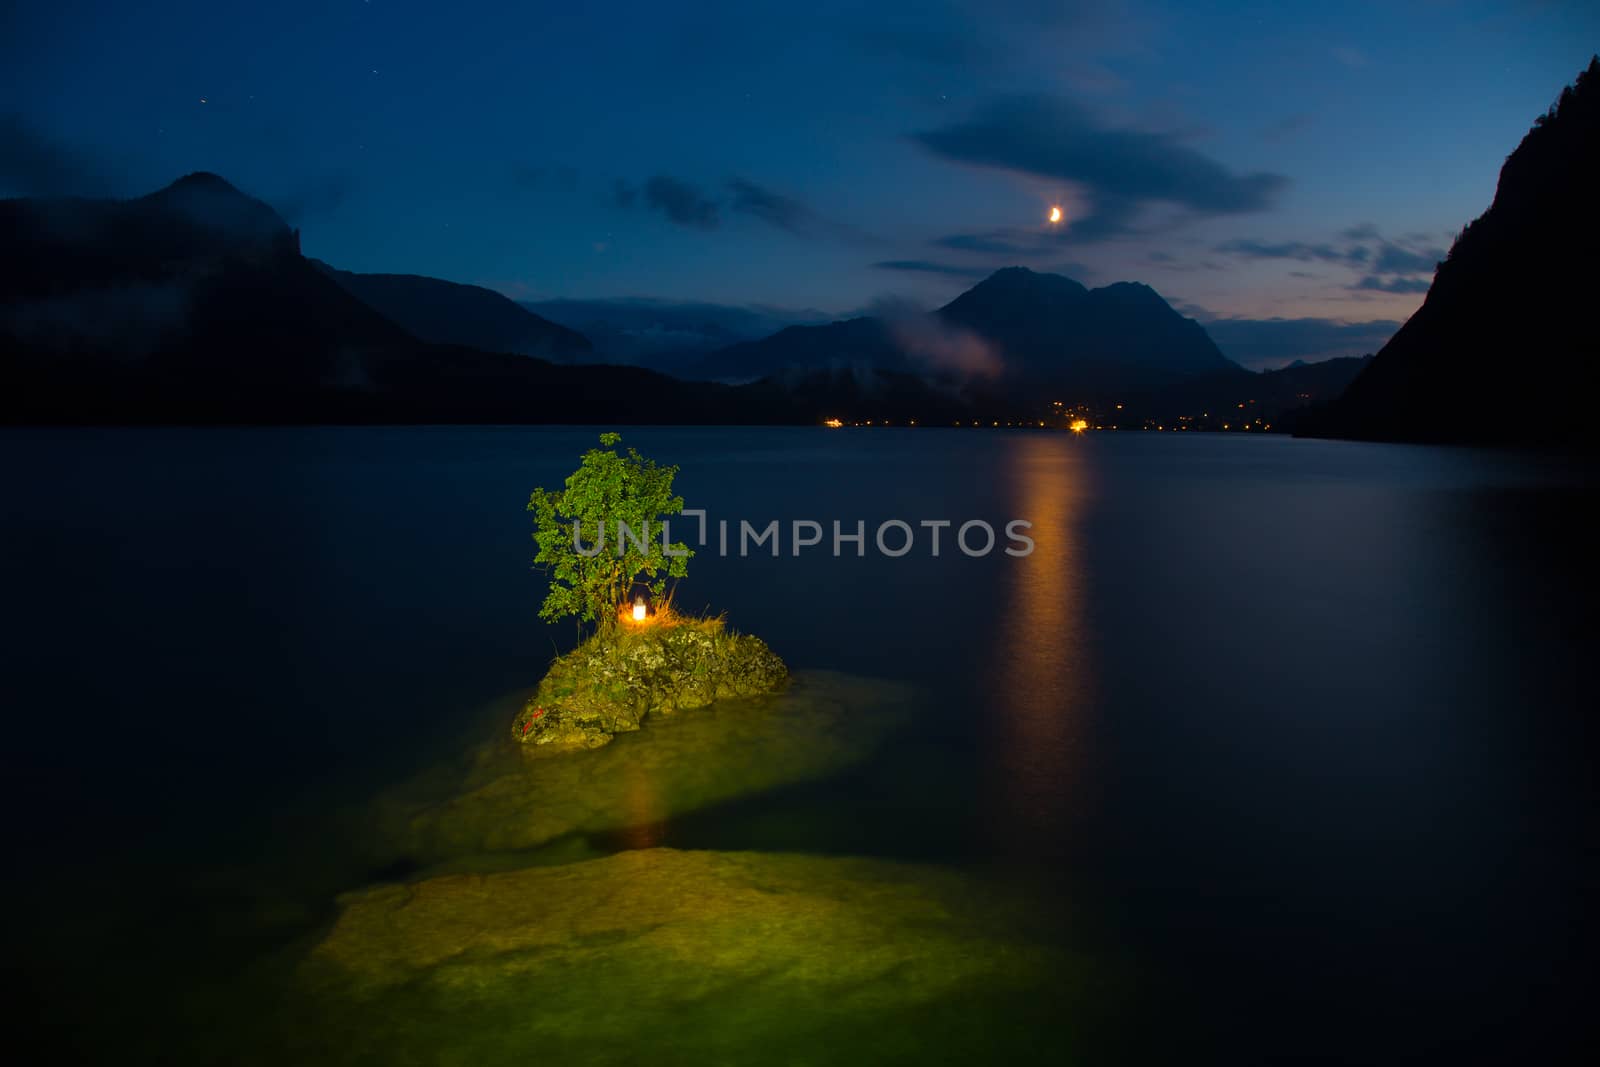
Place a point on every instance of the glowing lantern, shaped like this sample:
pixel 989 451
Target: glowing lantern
pixel 638 609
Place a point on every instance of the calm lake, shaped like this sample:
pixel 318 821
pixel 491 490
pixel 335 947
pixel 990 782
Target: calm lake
pixel 1284 741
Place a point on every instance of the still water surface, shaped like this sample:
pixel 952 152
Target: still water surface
pixel 1288 734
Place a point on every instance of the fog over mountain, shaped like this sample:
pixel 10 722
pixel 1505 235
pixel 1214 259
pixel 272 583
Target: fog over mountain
pixel 1016 330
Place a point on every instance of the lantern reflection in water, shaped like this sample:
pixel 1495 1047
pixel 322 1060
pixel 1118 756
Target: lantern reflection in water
pixel 1038 718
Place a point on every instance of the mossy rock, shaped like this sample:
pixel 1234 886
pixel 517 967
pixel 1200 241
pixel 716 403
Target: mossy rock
pixel 672 957
pixel 611 682
pixel 507 797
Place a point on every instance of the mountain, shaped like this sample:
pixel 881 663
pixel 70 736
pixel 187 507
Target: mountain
pixel 196 292
pixel 1505 346
pixel 1018 330
pixel 1054 331
pixel 664 334
pixel 444 312
pixel 1275 397
pixel 194 304
pixel 858 343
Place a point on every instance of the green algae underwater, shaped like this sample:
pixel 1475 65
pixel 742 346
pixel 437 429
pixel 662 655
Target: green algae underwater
pixel 513 904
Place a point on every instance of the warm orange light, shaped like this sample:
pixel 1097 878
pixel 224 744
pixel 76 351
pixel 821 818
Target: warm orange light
pixel 639 610
pixel 835 423
pixel 1079 425
pixel 1055 214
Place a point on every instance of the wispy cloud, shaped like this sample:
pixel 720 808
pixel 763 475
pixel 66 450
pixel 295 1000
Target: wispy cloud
pixel 1374 283
pixel 310 199
pixel 1403 265
pixel 1299 251
pixel 1393 259
pixel 1124 170
pixel 33 163
pixel 773 208
pixel 930 266
pixel 935 344
pixel 681 202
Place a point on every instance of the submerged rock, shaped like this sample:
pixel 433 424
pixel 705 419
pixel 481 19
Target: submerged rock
pixel 611 682
pixel 694 957
pixel 509 797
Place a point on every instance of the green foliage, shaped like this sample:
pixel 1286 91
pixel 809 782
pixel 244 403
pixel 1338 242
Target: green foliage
pixel 608 488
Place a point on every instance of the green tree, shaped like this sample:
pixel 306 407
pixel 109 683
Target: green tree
pixel 618 505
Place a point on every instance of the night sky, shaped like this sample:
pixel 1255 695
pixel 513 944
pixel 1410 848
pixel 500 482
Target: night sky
pixel 1248 161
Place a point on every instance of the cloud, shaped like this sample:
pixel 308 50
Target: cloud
pixel 1248 248
pixel 928 266
pixel 320 197
pixel 1350 57
pixel 1123 169
pixel 1374 283
pixel 993 242
pixel 681 202
pixel 1166 261
pixel 1113 217
pixel 1401 266
pixel 935 344
pixel 1393 259
pixel 773 208
pixel 688 205
pixel 32 163
pixel 1260 343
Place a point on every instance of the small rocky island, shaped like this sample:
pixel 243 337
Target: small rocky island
pixel 656 666
pixel 604 539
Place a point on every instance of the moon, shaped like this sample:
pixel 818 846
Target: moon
pixel 1055 213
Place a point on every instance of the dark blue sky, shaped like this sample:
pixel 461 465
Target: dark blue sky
pixel 1248 160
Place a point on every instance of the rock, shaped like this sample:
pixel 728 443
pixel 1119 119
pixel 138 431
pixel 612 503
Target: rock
pixel 504 797
pixel 611 682
pixel 694 957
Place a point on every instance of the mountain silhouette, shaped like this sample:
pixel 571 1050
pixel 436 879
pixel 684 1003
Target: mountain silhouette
pixel 669 335
pixel 857 342
pixel 194 304
pixel 1504 347
pixel 444 312
pixel 1052 330
pixel 1017 330
pixel 195 290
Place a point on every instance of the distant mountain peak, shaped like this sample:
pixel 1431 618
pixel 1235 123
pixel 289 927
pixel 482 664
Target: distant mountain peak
pixel 1022 278
pixel 211 202
pixel 204 179
pixel 443 312
pixel 1035 328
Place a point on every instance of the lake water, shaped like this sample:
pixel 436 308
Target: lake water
pixel 1284 740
